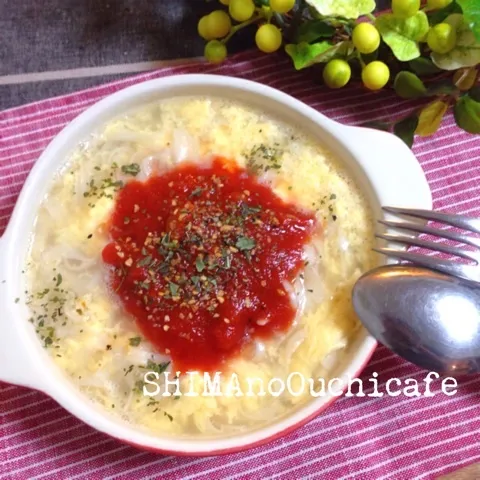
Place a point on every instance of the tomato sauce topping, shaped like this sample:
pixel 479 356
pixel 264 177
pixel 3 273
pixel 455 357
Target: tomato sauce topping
pixel 199 256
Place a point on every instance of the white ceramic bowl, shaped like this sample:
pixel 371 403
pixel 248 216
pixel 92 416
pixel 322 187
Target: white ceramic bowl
pixel 382 165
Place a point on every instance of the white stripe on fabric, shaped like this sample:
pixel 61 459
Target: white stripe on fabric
pixel 36 427
pixel 30 417
pixel 43 437
pixel 186 465
pixel 7 389
pixel 472 209
pixel 58 109
pixel 383 359
pixel 447 155
pixel 11 166
pixel 70 465
pixel 18 397
pixel 453 194
pixel 376 452
pixel 443 468
pixel 27 133
pixel 444 167
pixel 9 195
pixel 448 146
pixel 460 202
pixel 112 464
pixel 78 450
pixel 25 407
pixel 28 152
pixel 455 184
pixel 36 451
pixel 366 442
pixel 443 454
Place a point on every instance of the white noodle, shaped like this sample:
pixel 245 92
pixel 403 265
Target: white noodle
pixel 291 343
pixel 291 293
pixel 76 261
pixel 333 358
pixel 55 209
pixel 184 146
pixel 132 137
pixel 147 167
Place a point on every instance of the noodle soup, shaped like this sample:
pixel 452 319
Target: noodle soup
pixel 198 235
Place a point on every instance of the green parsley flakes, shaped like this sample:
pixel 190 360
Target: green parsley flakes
pixel 132 169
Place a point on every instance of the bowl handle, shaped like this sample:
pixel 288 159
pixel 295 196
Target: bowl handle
pixel 392 166
pixel 16 364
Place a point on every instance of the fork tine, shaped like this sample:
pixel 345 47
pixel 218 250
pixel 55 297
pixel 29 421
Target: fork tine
pixel 460 221
pixel 439 247
pixel 450 268
pixel 415 227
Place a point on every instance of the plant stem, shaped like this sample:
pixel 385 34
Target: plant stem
pixel 370 17
pixel 360 59
pixel 269 15
pixel 238 27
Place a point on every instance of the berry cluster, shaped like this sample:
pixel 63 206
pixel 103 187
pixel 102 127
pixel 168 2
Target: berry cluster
pixel 217 28
pixel 413 44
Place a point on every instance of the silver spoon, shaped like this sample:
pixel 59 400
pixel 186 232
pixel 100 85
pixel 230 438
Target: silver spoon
pixel 427 317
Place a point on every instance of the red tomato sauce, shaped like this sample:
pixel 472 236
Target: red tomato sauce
pixel 198 257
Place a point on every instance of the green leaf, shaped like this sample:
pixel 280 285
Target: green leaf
pixel 467 50
pixel 423 66
pixel 438 16
pixel 467 114
pixel 445 87
pixel 312 30
pixel 304 55
pixel 405 129
pixel 471 12
pixel 403 34
pixel 408 85
pixel 474 93
pixel 430 118
pixel 343 8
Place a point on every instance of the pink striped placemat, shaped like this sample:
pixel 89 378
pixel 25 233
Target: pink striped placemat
pixel 358 438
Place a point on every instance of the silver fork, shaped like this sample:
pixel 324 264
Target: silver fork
pixel 468 272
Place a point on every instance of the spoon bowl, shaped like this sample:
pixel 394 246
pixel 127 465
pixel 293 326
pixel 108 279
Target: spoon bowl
pixel 429 318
